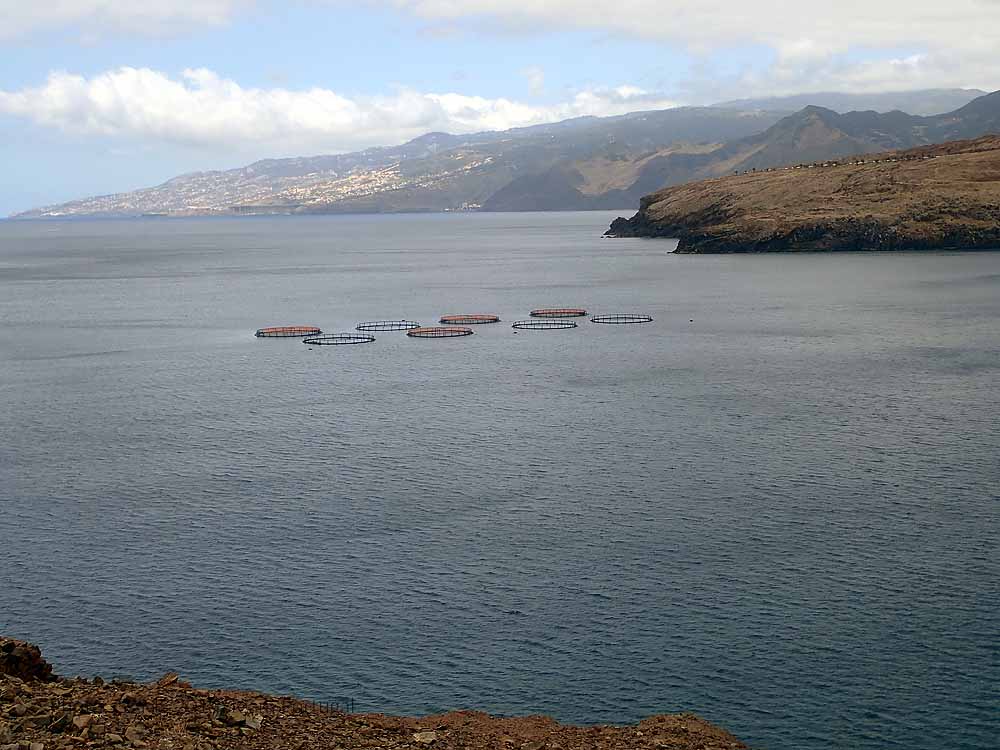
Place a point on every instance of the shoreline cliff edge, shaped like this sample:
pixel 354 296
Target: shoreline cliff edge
pixel 41 711
pixel 941 197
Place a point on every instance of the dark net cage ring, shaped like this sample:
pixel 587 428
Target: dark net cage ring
pixel 621 318
pixel 559 312
pixel 286 332
pixel 543 325
pixel 476 319
pixel 386 325
pixel 339 339
pixel 439 333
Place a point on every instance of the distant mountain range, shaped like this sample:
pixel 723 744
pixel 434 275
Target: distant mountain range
pixel 812 134
pixel 584 163
pixel 926 102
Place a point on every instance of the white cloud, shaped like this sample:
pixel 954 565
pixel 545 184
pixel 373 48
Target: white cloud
pixel 965 68
pixel 93 17
pixel 201 108
pixel 810 39
pixel 614 101
pixel 715 23
pixel 848 45
pixel 536 79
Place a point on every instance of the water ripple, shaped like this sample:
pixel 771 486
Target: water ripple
pixel 782 515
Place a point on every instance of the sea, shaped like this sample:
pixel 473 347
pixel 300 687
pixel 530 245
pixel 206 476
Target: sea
pixel 775 505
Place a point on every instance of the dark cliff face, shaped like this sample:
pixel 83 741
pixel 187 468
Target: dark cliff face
pixel 23 661
pixel 841 236
pixel 845 235
pixel 688 232
pixel 932 198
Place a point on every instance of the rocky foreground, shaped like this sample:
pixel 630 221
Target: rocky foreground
pixel 944 197
pixel 39 711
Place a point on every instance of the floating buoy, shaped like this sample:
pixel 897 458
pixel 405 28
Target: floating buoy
pixel 386 325
pixel 559 312
pixel 439 333
pixel 339 339
pixel 543 325
pixel 621 318
pixel 469 319
pixel 285 332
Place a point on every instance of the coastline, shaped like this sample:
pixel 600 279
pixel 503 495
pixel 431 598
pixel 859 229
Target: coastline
pixel 41 711
pixel 944 197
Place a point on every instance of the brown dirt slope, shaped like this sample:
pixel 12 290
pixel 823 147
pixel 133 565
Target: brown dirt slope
pixel 41 712
pixel 929 198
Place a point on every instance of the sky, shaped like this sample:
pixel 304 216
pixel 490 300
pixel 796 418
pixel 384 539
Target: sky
pixel 102 96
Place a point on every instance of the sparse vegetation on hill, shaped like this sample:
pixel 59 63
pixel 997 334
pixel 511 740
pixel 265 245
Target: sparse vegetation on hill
pixel 935 197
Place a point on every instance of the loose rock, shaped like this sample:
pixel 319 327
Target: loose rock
pixel 135 733
pixel 168 679
pixel 253 722
pixel 183 718
pixel 23 660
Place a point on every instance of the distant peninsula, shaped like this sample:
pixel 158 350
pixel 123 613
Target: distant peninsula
pixel 578 164
pixel 943 197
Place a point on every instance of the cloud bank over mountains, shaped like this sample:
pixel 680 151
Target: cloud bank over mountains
pixel 801 45
pixel 202 109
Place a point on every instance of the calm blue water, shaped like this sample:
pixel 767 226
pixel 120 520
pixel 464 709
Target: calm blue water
pixel 776 505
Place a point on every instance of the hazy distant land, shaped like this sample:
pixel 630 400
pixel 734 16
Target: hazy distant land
pixel 578 164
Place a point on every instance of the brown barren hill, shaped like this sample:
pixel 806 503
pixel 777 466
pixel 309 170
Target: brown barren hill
pixel 41 712
pixel 943 197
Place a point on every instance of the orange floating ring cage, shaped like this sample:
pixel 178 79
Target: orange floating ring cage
pixel 386 325
pixel 469 319
pixel 287 332
pixel 621 318
pixel 559 312
pixel 439 333
pixel 543 325
pixel 339 339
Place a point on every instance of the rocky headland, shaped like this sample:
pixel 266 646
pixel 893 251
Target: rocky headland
pixel 41 711
pixel 943 197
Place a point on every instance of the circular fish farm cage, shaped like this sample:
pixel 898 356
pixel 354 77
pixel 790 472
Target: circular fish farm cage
pixel 287 332
pixel 543 325
pixel 559 312
pixel 439 333
pixel 621 318
pixel 469 319
pixel 339 339
pixel 387 325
